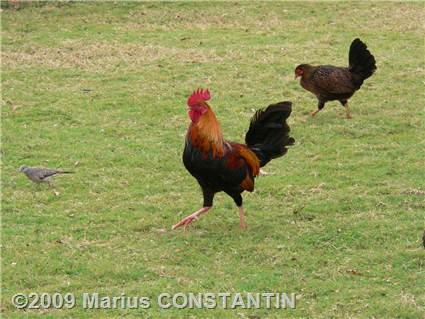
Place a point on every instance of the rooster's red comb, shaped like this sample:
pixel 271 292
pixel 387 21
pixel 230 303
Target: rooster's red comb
pixel 198 96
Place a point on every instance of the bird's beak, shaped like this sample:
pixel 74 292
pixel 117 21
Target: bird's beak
pixel 296 76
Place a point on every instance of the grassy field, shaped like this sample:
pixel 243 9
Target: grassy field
pixel 101 88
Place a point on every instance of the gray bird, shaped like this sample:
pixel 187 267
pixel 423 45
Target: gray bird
pixel 41 175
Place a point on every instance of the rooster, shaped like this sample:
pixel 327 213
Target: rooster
pixel 331 83
pixel 220 165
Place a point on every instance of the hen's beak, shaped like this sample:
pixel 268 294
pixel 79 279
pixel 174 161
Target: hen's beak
pixel 296 76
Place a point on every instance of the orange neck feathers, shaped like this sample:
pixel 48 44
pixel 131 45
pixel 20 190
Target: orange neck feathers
pixel 206 134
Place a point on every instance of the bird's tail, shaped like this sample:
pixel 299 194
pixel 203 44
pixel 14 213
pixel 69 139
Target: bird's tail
pixel 64 172
pixel 268 134
pixel 361 61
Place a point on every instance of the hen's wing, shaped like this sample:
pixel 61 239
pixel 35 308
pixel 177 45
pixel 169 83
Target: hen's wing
pixel 333 80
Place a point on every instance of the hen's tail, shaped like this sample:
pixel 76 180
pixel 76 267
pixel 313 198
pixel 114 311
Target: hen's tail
pixel 268 134
pixel 362 62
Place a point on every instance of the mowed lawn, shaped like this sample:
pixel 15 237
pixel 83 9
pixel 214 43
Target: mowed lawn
pixel 101 89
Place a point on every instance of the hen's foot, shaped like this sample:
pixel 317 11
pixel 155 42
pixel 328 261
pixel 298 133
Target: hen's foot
pixel 313 114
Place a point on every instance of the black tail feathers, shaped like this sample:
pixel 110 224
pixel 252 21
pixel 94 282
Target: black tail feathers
pixel 362 62
pixel 268 133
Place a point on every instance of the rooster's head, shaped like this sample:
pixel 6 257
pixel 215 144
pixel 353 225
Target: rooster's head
pixel 197 104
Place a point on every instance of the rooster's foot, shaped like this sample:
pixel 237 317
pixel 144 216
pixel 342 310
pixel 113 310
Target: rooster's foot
pixel 189 219
pixel 264 173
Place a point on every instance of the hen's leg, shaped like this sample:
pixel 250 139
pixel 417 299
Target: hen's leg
pixel 347 109
pixel 320 106
pixel 189 219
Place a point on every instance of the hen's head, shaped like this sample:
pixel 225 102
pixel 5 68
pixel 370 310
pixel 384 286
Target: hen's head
pixel 197 104
pixel 301 69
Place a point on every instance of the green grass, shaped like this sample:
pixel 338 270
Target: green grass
pixel 340 221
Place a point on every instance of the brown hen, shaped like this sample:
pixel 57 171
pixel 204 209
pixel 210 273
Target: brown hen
pixel 330 83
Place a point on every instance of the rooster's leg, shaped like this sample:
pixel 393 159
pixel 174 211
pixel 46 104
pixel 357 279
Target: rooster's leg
pixel 242 217
pixel 238 201
pixel 320 106
pixel 189 219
